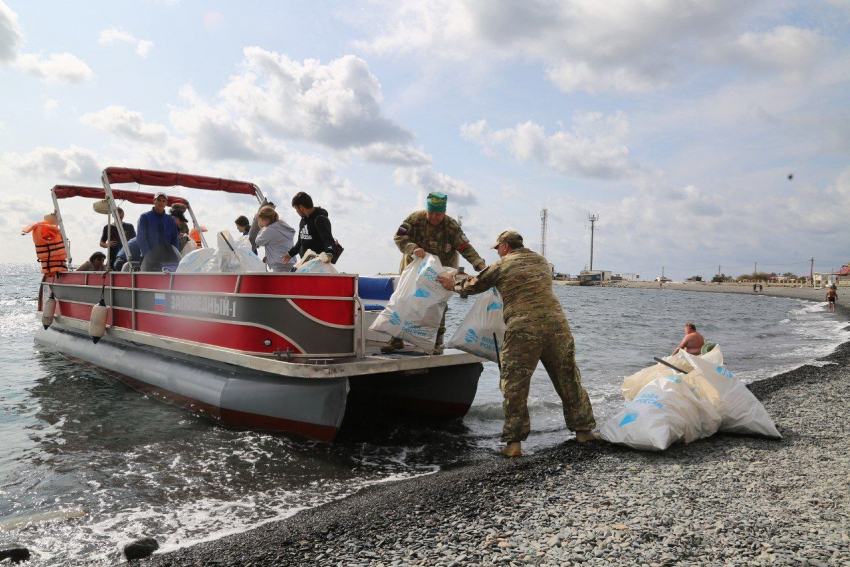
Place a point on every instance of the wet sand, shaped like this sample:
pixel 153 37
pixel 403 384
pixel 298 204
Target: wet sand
pixel 726 500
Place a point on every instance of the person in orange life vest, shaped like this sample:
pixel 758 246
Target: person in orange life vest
pixel 196 236
pixel 49 246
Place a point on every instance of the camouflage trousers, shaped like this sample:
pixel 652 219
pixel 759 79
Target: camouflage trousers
pixel 523 349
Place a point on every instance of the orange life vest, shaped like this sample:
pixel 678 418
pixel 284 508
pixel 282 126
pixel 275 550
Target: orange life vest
pixel 196 236
pixel 49 247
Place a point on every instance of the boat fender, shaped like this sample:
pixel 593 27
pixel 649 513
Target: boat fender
pixel 48 310
pixel 97 323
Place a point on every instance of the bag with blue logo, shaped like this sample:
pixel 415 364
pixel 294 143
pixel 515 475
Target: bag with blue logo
pixel 666 410
pixel 485 319
pixel 738 407
pixel 416 307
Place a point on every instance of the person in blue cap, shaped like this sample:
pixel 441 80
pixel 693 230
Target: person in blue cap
pixel 433 232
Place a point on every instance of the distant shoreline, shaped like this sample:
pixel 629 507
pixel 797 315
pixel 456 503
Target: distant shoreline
pixel 773 290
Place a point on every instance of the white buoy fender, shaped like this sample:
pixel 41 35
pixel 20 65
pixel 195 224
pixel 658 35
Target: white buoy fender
pixel 48 310
pixel 97 323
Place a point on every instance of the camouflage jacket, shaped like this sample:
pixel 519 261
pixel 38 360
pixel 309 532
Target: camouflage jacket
pixel 443 241
pixel 524 280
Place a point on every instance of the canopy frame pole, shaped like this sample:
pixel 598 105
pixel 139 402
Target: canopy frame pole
pixel 61 226
pixel 113 212
pixel 259 194
pixel 197 224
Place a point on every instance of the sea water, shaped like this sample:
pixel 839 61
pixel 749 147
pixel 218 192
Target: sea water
pixel 99 464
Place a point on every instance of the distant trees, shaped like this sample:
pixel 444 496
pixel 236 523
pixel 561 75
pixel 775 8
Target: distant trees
pixel 765 277
pixel 756 277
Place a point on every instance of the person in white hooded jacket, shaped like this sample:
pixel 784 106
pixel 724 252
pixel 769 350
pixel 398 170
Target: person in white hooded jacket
pixel 277 238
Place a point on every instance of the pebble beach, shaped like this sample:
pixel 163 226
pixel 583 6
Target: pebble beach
pixel 725 500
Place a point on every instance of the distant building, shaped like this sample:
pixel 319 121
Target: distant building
pixel 663 279
pixel 594 276
pixel 827 279
pixel 694 279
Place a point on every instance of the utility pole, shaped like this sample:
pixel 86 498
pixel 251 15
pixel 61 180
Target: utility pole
pixel 812 272
pixel 755 268
pixel 592 219
pixel 662 271
pixel 718 270
pixel 544 222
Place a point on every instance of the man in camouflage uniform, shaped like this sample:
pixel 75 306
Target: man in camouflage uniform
pixel 432 232
pixel 537 330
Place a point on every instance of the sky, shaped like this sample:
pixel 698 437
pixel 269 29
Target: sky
pixel 677 122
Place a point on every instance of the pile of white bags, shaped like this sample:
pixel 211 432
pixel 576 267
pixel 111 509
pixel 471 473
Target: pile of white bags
pixel 633 384
pixel 231 255
pixel 194 262
pixel 739 408
pixel 485 319
pixel 665 411
pixel 664 406
pixel 313 263
pixel 416 307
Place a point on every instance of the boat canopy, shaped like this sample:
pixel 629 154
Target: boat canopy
pixel 165 179
pixel 68 191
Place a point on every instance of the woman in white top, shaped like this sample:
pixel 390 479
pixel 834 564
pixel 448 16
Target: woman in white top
pixel 277 238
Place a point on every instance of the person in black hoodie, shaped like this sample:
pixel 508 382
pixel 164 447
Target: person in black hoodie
pixel 314 230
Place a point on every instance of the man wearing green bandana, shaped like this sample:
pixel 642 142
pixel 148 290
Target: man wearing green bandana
pixel 432 232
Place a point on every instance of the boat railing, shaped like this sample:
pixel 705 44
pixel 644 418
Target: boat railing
pixel 131 284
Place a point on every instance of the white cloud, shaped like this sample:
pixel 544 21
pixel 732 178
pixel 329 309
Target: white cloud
pixel 395 154
pixel 113 34
pixel 144 47
pixel 426 180
pixel 50 106
pixel 11 36
pixel 335 105
pixel 593 147
pixel 618 45
pixel 54 165
pixel 216 133
pixel 783 48
pixel 314 175
pixel 60 68
pixel 119 121
pixel 56 67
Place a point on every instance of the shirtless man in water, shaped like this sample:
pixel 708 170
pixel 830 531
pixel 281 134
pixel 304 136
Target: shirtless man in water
pixel 693 341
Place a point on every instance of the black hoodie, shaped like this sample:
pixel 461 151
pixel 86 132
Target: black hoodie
pixel 314 233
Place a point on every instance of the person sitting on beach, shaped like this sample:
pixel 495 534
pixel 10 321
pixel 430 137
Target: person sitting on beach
pixel 832 297
pixel 693 341
pixel 95 263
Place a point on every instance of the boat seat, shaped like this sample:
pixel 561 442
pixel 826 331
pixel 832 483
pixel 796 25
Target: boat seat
pixel 375 292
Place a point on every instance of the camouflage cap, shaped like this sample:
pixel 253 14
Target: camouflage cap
pixel 511 237
pixel 436 202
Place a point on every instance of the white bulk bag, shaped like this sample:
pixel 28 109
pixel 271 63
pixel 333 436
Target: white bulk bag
pixel 416 307
pixel 315 265
pixel 738 407
pixel 485 319
pixel 233 255
pixel 664 412
pixel 194 262
pixel 633 384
